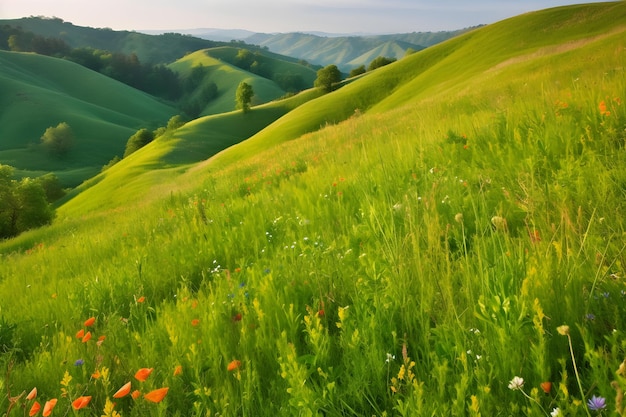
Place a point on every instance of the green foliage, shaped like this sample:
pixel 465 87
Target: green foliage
pixel 327 77
pixel 23 204
pixel 357 71
pixel 58 141
pixel 51 186
pixel 243 96
pixel 137 141
pixel 433 247
pixel 380 61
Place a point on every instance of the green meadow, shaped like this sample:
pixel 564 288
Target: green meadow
pixel 444 236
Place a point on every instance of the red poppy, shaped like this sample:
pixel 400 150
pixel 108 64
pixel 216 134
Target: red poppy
pixel 49 406
pixel 178 370
pixel 100 340
pixel 195 322
pixel 32 394
pixel 122 392
pixel 34 409
pixel 90 321
pixel 86 337
pixel 80 334
pixel 96 375
pixel 237 317
pixel 234 364
pixel 81 402
pixel 143 374
pixel 135 394
pixel 141 299
pixel 157 395
pixel 546 386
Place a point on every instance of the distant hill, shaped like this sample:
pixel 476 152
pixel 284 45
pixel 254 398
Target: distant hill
pixel 164 48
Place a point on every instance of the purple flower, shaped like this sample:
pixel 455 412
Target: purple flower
pixel 79 362
pixel 590 316
pixel 596 403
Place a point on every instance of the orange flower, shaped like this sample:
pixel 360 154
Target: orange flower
pixel 237 317
pixel 32 394
pixel 100 340
pixel 157 395
pixel 195 322
pixel 234 364
pixel 81 402
pixel 178 370
pixel 80 334
pixel 135 394
pixel 546 386
pixel 86 337
pixel 96 375
pixel 90 321
pixel 34 409
pixel 49 406
pixel 141 299
pixel 122 392
pixel 143 374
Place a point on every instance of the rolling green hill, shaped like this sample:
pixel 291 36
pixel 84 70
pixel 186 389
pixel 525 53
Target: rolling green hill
pixel 40 92
pixel 219 64
pixel 442 236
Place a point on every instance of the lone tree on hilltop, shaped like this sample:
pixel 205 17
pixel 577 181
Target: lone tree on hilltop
pixel 58 140
pixel 244 96
pixel 327 77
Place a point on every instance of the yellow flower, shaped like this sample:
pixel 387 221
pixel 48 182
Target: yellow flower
pixel 563 330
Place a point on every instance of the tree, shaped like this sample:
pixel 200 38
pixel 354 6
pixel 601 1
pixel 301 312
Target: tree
pixel 327 77
pixel 137 141
pixel 357 71
pixel 58 140
pixel 380 61
pixel 244 96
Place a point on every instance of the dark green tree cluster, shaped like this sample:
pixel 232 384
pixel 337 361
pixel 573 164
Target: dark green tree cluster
pixel 327 77
pixel 258 64
pixel 243 96
pixel 197 92
pixel 24 204
pixel 377 62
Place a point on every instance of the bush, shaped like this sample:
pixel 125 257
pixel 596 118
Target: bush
pixel 138 141
pixel 58 140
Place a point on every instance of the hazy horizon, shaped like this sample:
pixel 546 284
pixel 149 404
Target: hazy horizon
pixel 332 16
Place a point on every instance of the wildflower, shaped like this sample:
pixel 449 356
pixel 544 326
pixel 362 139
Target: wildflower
pixel 34 409
pixel 32 394
pixel 81 402
pixel 90 321
pixel 157 395
pixel 79 362
pixel 96 375
pixel 237 317
pixel 563 330
pixel 499 223
pixel 100 340
pixel 458 217
pixel 143 374
pixel 603 109
pixel 141 299
pixel 135 394
pixel 596 403
pixel 86 337
pixel 555 412
pixel 178 370
pixel 516 383
pixel 390 358
pixel 546 386
pixel 321 312
pixel 590 316
pixel 48 407
pixel 122 392
pixel 80 334
pixel 234 364
pixel 195 322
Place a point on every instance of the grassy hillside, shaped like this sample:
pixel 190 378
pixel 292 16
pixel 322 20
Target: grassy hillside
pixel 40 92
pixel 463 228
pixel 227 76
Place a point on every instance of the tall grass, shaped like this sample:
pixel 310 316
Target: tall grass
pixel 407 262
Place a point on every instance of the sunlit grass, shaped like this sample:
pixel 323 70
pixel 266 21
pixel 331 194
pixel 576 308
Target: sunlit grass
pixel 405 262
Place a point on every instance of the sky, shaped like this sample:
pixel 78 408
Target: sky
pixel 269 16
